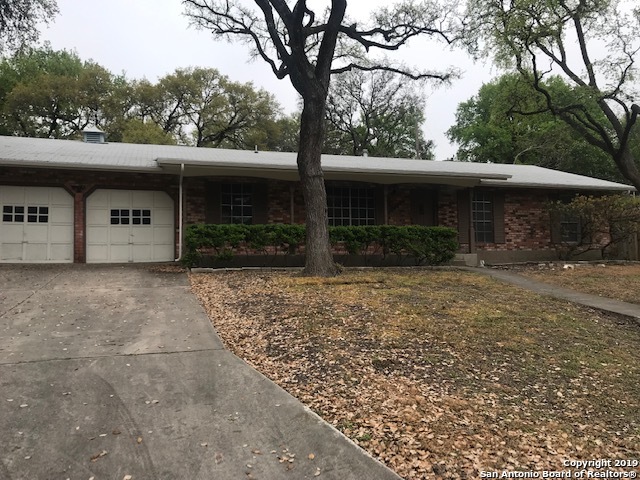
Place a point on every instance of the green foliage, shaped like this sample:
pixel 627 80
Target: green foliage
pixel 606 223
pixel 498 125
pixel 593 44
pixel 55 94
pixel 426 245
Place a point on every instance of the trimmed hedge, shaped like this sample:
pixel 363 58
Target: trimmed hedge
pixel 425 245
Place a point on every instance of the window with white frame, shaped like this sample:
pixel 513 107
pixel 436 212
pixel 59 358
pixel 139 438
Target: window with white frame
pixel 351 206
pixel 237 203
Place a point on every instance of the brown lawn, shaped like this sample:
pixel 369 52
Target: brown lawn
pixel 621 282
pixel 439 373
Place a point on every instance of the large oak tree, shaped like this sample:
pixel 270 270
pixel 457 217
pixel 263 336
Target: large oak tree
pixel 308 47
pixel 592 43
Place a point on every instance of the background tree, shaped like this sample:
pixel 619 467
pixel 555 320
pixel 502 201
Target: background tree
pixel 491 128
pixel 202 107
pixel 376 111
pixel 308 47
pixel 53 94
pixel 19 20
pixel 539 38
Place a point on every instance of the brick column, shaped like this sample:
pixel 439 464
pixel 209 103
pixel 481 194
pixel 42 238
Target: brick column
pixel 79 249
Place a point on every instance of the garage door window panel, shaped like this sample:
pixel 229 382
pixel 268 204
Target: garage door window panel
pixel 37 214
pixel 13 213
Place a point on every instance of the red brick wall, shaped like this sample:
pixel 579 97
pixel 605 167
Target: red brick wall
pixel 526 224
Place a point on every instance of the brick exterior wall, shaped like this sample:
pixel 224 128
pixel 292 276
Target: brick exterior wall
pixel 527 225
pixel 399 205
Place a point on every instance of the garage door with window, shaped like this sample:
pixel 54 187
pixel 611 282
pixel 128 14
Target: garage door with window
pixel 37 225
pixel 129 226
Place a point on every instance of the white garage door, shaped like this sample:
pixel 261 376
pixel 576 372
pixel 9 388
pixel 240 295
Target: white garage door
pixel 129 226
pixel 37 224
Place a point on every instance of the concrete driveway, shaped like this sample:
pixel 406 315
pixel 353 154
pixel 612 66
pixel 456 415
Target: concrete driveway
pixel 114 372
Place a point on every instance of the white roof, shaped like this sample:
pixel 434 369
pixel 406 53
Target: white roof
pixel 38 152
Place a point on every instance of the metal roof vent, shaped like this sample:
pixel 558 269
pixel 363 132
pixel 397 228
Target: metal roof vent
pixel 93 135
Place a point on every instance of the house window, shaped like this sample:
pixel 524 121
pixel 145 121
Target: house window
pixel 350 206
pixel 16 214
pixel 482 212
pixel 237 203
pixel 123 216
pixel 570 230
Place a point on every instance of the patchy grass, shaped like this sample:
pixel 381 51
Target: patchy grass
pixel 621 282
pixel 439 372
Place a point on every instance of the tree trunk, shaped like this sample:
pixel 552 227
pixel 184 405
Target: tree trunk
pixel 628 167
pixel 319 259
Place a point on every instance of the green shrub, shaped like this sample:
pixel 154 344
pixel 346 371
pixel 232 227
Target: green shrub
pixel 425 245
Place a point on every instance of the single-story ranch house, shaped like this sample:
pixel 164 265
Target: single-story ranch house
pixel 97 202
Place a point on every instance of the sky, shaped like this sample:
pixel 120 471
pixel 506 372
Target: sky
pixel 151 38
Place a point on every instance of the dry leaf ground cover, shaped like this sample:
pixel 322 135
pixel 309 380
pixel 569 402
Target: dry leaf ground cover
pixel 439 373
pixel 621 282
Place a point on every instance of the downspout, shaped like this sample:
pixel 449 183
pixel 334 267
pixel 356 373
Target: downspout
pixel 180 203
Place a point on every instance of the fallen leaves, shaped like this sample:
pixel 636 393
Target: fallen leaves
pixel 98 455
pixel 423 370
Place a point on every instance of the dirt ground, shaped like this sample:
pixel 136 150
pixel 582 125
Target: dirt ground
pixel 439 373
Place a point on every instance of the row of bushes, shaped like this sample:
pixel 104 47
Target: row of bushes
pixel 426 245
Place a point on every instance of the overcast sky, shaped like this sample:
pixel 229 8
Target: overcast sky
pixel 150 38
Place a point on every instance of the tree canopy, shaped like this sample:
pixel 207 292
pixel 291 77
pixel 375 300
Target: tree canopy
pixel 377 112
pixel 494 126
pixel 19 21
pixel 592 43
pixel 55 94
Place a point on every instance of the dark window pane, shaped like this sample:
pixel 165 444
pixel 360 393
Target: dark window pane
pixel 19 209
pixel 115 221
pixel 43 218
pixel 32 218
pixel 135 221
pixel 7 209
pixel 124 221
pixel 115 213
pixel 32 209
pixel 146 221
pixel 146 213
pixel 44 210
pixel 18 218
pixel 124 213
pixel 7 218
pixel 136 213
